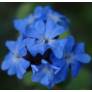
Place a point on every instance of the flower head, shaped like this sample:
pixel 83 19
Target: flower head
pixel 14 62
pixel 43 37
pixel 15 65
pixel 44 73
pixel 42 13
pixel 74 56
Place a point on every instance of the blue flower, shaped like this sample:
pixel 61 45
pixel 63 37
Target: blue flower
pixel 42 13
pixel 42 37
pixel 44 73
pixel 74 56
pixel 14 63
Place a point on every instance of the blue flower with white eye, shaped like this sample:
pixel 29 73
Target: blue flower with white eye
pixel 74 56
pixel 44 73
pixel 40 13
pixel 43 37
pixel 14 63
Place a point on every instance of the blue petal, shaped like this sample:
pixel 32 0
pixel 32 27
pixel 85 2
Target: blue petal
pixel 37 76
pixel 12 70
pixel 47 9
pixel 39 48
pixel 52 29
pixel 20 25
pixel 16 47
pixel 34 69
pixel 20 71
pixel 61 75
pixel 83 58
pixel 42 77
pixel 75 67
pixel 20 46
pixel 11 45
pixel 36 47
pixel 6 63
pixel 57 47
pixel 46 79
pixel 30 43
pixel 70 43
pixel 80 48
pixel 24 63
pixel 38 12
pixel 57 62
pixel 37 29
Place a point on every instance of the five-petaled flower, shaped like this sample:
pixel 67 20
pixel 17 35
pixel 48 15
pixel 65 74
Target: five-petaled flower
pixel 14 62
pixel 42 37
pixel 44 73
pixel 74 56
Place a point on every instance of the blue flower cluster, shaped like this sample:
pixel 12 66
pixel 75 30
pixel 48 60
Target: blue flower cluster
pixel 40 33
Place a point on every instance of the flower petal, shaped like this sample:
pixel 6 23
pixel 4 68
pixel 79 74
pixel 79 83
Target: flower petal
pixel 36 30
pixel 36 47
pixel 57 62
pixel 38 12
pixel 61 75
pixel 20 25
pixel 24 63
pixel 20 71
pixel 10 45
pixel 80 48
pixel 83 58
pixel 70 43
pixel 75 67
pixel 12 70
pixel 52 29
pixel 57 47
pixel 7 62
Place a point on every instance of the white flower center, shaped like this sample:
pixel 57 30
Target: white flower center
pixel 69 58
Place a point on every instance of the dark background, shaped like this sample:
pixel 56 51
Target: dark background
pixel 80 16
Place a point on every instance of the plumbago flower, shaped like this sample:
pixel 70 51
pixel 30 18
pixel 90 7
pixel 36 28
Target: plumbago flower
pixel 14 62
pixel 40 49
pixel 74 57
pixel 42 32
pixel 44 73
pixel 42 37
pixel 42 13
pixel 51 74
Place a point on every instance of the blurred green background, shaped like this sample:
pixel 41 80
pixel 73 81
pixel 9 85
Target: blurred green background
pixel 80 15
